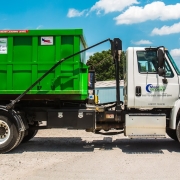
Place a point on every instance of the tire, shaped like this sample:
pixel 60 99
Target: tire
pixel 9 134
pixel 22 134
pixel 30 134
pixel 172 134
pixel 178 131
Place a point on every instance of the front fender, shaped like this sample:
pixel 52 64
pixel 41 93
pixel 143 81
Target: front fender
pixel 173 116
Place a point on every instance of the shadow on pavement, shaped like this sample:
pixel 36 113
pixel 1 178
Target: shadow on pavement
pixel 76 144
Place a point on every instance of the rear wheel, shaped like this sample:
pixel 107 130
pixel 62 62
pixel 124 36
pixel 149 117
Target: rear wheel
pixel 29 134
pixel 22 134
pixel 9 134
pixel 172 134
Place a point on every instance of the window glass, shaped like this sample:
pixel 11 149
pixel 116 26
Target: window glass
pixel 173 62
pixel 168 70
pixel 148 63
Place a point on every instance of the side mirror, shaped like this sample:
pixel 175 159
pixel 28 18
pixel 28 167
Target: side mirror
pixel 161 72
pixel 161 62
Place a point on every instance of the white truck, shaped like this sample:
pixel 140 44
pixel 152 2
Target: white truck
pixel 151 93
pixel 151 105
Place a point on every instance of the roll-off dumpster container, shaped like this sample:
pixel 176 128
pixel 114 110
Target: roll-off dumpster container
pixel 25 55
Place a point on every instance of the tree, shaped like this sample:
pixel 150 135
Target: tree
pixel 104 66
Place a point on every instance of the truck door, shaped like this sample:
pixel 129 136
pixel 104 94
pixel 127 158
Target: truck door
pixel 150 91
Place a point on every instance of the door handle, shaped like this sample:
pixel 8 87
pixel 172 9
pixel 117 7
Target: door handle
pixel 138 91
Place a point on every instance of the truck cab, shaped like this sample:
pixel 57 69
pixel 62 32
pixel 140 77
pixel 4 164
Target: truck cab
pixel 149 94
pixel 144 88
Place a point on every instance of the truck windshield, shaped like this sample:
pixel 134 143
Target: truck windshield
pixel 173 62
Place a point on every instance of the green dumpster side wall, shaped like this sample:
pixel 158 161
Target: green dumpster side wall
pixel 27 59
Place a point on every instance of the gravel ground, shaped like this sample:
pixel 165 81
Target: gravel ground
pixel 67 154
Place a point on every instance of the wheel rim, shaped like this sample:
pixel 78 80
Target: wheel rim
pixel 4 132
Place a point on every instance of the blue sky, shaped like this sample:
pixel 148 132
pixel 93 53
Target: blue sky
pixel 135 22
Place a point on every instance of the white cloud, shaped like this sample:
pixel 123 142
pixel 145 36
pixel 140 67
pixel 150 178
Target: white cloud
pixel 141 42
pixel 75 13
pixel 153 11
pixel 39 27
pixel 165 30
pixel 112 5
pixel 175 52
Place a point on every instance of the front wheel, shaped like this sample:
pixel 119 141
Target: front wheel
pixel 172 134
pixel 178 131
pixel 9 134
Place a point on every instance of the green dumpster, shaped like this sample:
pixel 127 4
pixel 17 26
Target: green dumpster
pixel 25 55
